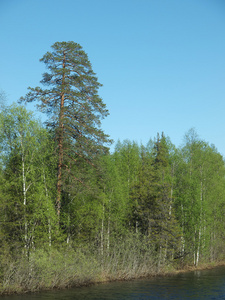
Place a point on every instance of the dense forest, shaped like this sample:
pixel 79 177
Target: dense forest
pixel 72 212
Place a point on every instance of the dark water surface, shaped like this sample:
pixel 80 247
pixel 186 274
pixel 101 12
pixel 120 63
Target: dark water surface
pixel 206 284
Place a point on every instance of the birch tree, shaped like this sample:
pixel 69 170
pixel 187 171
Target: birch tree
pixel 199 198
pixel 22 155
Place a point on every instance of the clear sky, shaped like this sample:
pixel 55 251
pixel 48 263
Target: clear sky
pixel 161 62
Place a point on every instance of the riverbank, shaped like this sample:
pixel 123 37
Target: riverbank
pixel 48 270
pixel 201 266
pixel 171 271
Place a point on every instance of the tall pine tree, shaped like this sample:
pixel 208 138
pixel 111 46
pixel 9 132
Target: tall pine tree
pixel 74 108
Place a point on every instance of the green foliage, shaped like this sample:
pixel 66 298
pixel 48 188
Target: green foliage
pixel 153 200
pixel 26 185
pixel 71 212
pixel 74 111
pixel 199 195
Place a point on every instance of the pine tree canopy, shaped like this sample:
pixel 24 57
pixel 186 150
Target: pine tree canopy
pixel 71 96
pixel 72 104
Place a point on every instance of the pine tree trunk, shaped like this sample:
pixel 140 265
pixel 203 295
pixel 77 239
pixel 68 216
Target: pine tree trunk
pixel 60 144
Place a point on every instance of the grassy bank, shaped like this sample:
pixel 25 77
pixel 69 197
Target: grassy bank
pixel 63 268
pixel 66 267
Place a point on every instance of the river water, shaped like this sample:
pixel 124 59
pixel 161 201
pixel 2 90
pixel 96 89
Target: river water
pixel 205 284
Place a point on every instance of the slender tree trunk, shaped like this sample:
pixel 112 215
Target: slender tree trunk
pixel 25 188
pixel 49 220
pixel 136 227
pixel 198 249
pixel 194 249
pixel 108 231
pixel 60 143
pixel 24 199
pixel 159 258
pixel 200 225
pixel 68 229
pixel 183 222
pixel 102 230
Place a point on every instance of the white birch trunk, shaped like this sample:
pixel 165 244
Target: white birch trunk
pixel 108 231
pixel 194 250
pixel 49 220
pixel 102 230
pixel 198 250
pixel 24 198
pixel 200 225
pixel 183 221
pixel 108 234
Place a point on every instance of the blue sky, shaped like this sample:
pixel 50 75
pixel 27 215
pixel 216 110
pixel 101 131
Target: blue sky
pixel 161 62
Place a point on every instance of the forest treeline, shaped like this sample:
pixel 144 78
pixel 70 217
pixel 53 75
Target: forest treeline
pixel 72 212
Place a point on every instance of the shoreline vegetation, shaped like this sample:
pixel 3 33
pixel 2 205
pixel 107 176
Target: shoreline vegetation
pixel 69 268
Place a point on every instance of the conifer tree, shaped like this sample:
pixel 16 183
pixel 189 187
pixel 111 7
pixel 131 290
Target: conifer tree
pixel 74 108
pixel 153 199
pixel 165 229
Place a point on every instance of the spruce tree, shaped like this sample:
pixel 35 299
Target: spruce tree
pixel 163 227
pixel 74 109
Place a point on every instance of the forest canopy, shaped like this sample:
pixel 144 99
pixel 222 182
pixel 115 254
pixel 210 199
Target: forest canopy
pixel 61 188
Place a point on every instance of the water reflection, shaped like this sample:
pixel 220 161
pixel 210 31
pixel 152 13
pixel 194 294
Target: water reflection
pixel 207 284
